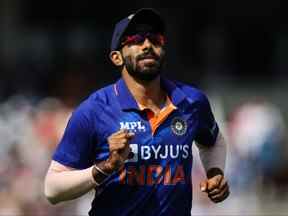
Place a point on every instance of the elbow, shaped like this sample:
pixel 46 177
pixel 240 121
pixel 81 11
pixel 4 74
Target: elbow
pixel 51 196
pixel 52 200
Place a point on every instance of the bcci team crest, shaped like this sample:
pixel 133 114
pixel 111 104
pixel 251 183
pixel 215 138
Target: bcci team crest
pixel 179 126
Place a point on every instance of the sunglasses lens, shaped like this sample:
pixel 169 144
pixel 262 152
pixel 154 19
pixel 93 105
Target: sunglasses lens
pixel 133 39
pixel 157 39
pixel 139 38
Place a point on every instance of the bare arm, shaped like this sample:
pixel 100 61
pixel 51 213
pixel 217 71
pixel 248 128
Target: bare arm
pixel 64 183
pixel 213 156
pixel 213 159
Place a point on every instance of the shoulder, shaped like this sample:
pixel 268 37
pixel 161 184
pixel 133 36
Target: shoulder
pixel 193 94
pixel 102 96
pixel 95 102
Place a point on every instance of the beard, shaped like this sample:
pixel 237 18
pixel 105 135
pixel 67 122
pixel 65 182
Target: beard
pixel 144 71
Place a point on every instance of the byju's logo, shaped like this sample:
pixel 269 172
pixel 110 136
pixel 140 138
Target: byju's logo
pixel 164 151
pixel 136 126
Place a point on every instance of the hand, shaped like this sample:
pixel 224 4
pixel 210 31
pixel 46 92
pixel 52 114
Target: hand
pixel 119 149
pixel 216 187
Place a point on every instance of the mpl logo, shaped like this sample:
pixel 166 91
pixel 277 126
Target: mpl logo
pixel 135 126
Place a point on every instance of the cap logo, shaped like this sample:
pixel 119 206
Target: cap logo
pixel 131 16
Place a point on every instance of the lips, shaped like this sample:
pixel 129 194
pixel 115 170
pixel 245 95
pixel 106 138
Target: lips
pixel 148 56
pixel 148 60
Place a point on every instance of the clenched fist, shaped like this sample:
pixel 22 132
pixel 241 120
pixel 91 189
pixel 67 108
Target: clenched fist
pixel 119 149
pixel 216 187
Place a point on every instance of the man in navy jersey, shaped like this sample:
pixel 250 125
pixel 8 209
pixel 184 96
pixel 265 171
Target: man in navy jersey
pixel 132 141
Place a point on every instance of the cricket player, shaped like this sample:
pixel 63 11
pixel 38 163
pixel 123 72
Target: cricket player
pixel 132 140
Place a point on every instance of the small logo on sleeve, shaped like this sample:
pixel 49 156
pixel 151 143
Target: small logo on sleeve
pixel 179 126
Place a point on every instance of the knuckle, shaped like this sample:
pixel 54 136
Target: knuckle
pixel 212 187
pixel 121 145
pixel 112 143
pixel 125 145
pixel 111 147
pixel 214 192
pixel 111 140
pixel 214 184
pixel 124 141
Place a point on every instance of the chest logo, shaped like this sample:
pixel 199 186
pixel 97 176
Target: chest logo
pixel 136 126
pixel 179 126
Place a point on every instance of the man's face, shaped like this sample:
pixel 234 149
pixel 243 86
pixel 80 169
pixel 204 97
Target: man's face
pixel 143 55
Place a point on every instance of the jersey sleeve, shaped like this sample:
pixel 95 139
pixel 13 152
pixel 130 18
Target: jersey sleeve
pixel 75 148
pixel 208 128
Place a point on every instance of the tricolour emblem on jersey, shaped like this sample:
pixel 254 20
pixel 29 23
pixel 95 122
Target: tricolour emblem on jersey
pixel 179 126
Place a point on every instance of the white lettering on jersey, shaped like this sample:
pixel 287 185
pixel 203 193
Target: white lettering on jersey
pixel 135 126
pixel 146 152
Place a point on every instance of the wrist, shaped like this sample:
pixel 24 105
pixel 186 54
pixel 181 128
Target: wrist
pixel 112 164
pixel 107 167
pixel 100 172
pixel 213 172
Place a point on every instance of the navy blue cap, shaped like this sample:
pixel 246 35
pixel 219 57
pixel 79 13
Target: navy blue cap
pixel 144 16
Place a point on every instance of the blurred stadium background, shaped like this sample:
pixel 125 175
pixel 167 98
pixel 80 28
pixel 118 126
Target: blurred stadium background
pixel 52 55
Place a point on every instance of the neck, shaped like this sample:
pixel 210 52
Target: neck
pixel 147 93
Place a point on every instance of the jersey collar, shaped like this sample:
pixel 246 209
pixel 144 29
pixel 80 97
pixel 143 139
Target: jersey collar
pixel 127 100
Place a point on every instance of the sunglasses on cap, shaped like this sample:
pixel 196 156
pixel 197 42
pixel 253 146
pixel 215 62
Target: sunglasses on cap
pixel 156 38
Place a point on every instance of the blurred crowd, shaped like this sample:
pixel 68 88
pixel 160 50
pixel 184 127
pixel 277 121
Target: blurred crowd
pixel 257 161
pixel 30 129
pixel 257 134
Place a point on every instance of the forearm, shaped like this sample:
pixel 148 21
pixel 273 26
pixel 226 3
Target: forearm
pixel 68 185
pixel 214 156
pixel 64 183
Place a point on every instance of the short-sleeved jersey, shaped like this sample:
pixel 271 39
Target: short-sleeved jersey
pixel 157 180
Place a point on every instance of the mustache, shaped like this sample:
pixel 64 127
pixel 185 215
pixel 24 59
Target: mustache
pixel 149 54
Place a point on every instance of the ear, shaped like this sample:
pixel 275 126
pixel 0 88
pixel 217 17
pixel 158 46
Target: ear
pixel 116 58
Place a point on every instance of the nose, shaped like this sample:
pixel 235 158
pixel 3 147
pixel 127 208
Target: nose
pixel 147 44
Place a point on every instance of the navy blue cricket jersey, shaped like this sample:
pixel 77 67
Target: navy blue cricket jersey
pixel 157 180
